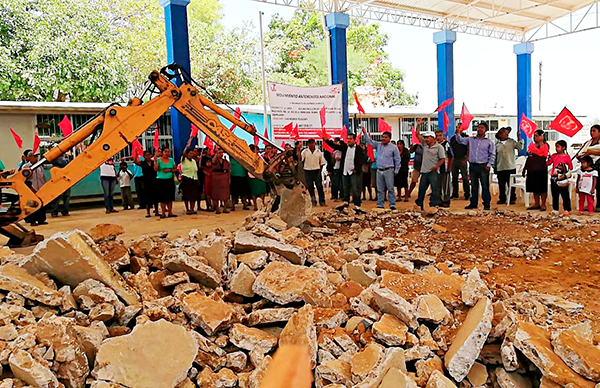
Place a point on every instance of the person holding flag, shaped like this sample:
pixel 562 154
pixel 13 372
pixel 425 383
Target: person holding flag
pixel 536 171
pixel 482 156
pixel 352 159
pixel 445 186
pixel 460 165
pixel 388 165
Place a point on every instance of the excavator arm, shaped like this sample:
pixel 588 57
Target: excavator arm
pixel 116 127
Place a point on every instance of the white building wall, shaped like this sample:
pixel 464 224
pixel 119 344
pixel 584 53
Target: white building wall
pixel 24 126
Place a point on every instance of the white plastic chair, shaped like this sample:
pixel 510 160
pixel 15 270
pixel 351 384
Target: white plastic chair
pixel 518 182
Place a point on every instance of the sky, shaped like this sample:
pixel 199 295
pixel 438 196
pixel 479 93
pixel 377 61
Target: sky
pixel 485 69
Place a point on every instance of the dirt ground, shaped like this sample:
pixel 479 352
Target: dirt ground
pixel 568 267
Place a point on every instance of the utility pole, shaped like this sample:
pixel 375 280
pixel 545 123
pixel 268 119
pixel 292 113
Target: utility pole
pixel 540 100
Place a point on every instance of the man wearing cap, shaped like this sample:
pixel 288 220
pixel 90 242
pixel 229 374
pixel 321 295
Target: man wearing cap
pixel 482 155
pixel 35 181
pixel 506 163
pixel 434 157
pixel 388 165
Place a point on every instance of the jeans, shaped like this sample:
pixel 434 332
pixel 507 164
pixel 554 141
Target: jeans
pixel 503 180
pixel 459 166
pixel 557 193
pixel 337 187
pixel 108 187
pixel 478 175
pixel 55 205
pixel 427 179
pixel 385 181
pixel 444 189
pixel 352 184
pixel 313 178
pixel 127 198
pixel 139 190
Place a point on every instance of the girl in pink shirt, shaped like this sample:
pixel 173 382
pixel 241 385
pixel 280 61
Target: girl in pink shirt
pixel 557 186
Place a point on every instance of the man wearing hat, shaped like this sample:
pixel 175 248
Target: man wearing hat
pixel 505 164
pixel 433 158
pixel 35 181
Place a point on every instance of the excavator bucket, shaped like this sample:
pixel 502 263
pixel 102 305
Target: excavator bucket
pixel 19 236
pixel 295 205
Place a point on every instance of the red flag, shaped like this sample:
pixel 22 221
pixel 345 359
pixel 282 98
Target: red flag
pixel 289 128
pixel 256 140
pixel 325 135
pixel 137 149
pixel 17 138
pixel 414 139
pixel 295 133
pixel 208 143
pixel 371 152
pixel 194 131
pixel 528 126
pixel 322 113
pixel 266 134
pixel 445 104
pixel 358 105
pixel 566 123
pixel 65 126
pixel 344 135
pixel 446 122
pixel 358 135
pixel 326 147
pixel 465 118
pixel 36 142
pixel 237 115
pixel 384 127
pixel 283 144
pixel 155 142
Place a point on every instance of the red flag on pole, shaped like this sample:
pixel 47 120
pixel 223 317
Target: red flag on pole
pixel 237 114
pixel 446 122
pixel 414 139
pixel 36 142
pixel 325 135
pixel 371 152
pixel 326 147
pixel 465 118
pixel 566 123
pixel 295 133
pixel 344 135
pixel 208 143
pixel 256 141
pixel 289 128
pixel 194 131
pixel 445 104
pixel 322 114
pixel 358 105
pixel 137 149
pixel 358 135
pixel 65 126
pixel 283 144
pixel 528 126
pixel 384 127
pixel 266 134
pixel 155 142
pixel 17 138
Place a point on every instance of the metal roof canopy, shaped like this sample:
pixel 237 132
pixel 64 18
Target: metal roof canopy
pixel 513 20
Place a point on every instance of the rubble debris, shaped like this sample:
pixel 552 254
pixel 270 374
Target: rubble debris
pixel 578 353
pixel 104 232
pixel 18 280
pixel 251 339
pixel 300 330
pixel 430 308
pixel 247 242
pixel 207 313
pixel 178 261
pixel 26 368
pixel 131 359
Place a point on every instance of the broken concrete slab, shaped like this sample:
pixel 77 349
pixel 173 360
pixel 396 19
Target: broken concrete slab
pixel 247 242
pixel 393 359
pixel 438 380
pixel 104 232
pixel 216 250
pixel 478 375
pixel 410 286
pixel 534 342
pixel 254 259
pixel 251 339
pixel 430 308
pixel 31 371
pixel 179 261
pixel 578 353
pixel 334 372
pixel 357 272
pixel 390 330
pixel 131 359
pixel 267 316
pixel 391 303
pixel 207 313
pixel 505 379
pixel 72 257
pixel 365 361
pixel 19 281
pixel 285 283
pixel 301 330
pixel 474 288
pixel 242 280
pixel 395 378
pixel 469 340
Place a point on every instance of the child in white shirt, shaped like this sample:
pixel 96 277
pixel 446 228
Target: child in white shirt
pixel 586 185
pixel 125 177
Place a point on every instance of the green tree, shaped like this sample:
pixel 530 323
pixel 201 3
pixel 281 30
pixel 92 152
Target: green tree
pixel 298 56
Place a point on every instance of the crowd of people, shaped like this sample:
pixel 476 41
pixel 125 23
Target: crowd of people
pixel 208 180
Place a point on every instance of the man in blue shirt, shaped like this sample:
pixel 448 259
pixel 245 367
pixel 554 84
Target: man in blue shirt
pixel 388 165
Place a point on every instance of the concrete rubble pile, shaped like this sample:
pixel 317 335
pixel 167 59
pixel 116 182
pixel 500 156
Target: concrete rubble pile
pixel 211 311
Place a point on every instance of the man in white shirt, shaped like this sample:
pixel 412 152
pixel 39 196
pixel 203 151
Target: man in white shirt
pixel 313 161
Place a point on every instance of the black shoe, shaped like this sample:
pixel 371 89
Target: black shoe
pixel 501 202
pixel 454 197
pixel 446 205
pixel 393 208
pixel 486 207
pixel 467 197
pixel 513 201
pixel 471 207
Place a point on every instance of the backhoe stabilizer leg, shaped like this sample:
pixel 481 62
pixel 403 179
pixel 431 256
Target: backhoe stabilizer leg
pixel 19 236
pixel 294 205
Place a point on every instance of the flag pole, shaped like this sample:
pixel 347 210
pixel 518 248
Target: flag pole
pixel 264 77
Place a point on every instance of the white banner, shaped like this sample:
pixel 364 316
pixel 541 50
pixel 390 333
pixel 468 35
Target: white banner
pixel 301 106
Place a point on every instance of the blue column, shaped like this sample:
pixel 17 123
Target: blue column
pixel 178 51
pixel 445 75
pixel 523 51
pixel 337 24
